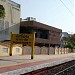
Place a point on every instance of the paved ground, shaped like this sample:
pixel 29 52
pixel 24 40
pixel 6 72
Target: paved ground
pixel 11 63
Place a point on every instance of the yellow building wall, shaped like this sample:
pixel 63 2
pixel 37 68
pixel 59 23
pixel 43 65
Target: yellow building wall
pixel 11 21
pixel 37 50
pixel 56 50
pixel 12 13
pixel 16 50
pixel 4 51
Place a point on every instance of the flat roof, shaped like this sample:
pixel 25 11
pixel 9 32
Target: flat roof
pixel 38 25
pixel 14 3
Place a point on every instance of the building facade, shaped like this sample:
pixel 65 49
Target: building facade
pixel 11 21
pixel 45 35
pixel 63 35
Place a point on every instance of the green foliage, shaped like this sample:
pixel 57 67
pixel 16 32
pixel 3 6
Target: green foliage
pixel 2 11
pixel 68 45
pixel 66 38
pixel 70 41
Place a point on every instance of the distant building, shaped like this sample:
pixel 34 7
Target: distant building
pixel 10 23
pixel 64 34
pixel 45 35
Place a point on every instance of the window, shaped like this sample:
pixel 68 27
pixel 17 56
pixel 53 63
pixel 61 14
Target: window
pixel 17 50
pixel 36 35
pixel 5 50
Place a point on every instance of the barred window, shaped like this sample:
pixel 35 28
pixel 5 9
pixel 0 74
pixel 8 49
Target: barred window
pixel 5 50
pixel 17 50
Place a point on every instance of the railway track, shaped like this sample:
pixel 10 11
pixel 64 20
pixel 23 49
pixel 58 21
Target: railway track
pixel 68 71
pixel 67 68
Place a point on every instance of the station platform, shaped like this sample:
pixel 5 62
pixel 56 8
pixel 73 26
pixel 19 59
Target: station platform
pixel 17 65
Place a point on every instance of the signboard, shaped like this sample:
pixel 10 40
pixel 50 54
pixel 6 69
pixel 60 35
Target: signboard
pixel 25 39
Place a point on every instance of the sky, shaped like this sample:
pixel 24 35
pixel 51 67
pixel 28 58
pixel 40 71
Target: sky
pixel 56 13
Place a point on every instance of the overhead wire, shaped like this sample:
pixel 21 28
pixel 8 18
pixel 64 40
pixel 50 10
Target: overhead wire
pixel 71 2
pixel 67 8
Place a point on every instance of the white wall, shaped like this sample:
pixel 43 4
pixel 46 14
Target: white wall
pixel 4 51
pixel 16 50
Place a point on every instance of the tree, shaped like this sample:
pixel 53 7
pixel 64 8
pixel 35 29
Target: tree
pixel 70 41
pixel 2 12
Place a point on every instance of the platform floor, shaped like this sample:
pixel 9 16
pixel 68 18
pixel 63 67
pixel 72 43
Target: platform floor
pixel 16 65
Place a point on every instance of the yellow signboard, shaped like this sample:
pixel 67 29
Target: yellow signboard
pixel 25 39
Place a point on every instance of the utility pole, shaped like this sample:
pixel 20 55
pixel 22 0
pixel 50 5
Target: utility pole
pixel 49 41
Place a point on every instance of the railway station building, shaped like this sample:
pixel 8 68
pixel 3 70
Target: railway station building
pixel 46 35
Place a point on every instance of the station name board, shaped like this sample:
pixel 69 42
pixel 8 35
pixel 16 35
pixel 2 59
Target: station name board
pixel 25 39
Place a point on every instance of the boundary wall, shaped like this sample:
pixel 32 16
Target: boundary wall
pixel 26 50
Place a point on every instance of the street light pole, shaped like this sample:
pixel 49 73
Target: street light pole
pixel 49 41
